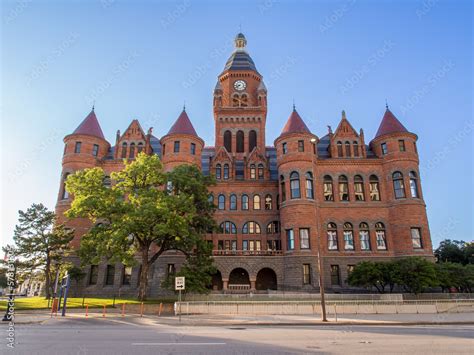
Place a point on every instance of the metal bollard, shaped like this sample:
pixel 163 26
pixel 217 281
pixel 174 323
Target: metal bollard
pixel 104 311
pixel 141 310
pixel 87 310
pixel 123 309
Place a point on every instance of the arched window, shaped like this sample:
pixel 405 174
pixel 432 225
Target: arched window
pixel 139 147
pixel 364 236
pixel 414 184
pixel 343 188
pixel 243 100
pixel 256 202
pixel 309 185
pixel 221 202
pixel 227 228
pixel 251 228
pixel 348 149
pixel 226 171
pixel 355 147
pixel 328 189
pixel 348 236
pixel 253 171
pixel 124 150
pixel 398 185
pixel 273 227
pixel 295 185
pixel 252 140
pixel 261 173
pixel 374 188
pixel 240 142
pixel 218 171
pixel 359 188
pixel 268 202
pixel 64 193
pixel 283 188
pixel 339 149
pixel 380 236
pixel 245 202
pixel 233 202
pixel 235 100
pixel 228 141
pixel 332 236
pixel 132 151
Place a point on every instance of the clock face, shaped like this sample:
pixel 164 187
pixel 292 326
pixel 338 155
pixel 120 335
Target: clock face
pixel 240 85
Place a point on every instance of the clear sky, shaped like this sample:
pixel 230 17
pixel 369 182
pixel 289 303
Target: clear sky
pixel 143 59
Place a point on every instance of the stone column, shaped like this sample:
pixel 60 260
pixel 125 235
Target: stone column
pixel 225 284
pixel 252 284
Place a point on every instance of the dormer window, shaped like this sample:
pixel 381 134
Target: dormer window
pixel 124 150
pixel 339 149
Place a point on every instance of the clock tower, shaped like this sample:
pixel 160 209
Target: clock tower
pixel 240 106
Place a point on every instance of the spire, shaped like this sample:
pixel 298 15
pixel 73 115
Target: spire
pixel 390 124
pixel 90 126
pixel 240 41
pixel 240 59
pixel 295 124
pixel 183 125
pixel 344 115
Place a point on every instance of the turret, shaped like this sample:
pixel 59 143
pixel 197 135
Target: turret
pixel 181 145
pixel 296 158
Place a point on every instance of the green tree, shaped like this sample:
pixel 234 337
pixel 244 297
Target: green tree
pixel 451 251
pixel 415 274
pixel 468 251
pixel 40 240
pixel 450 275
pixel 138 216
pixel 367 274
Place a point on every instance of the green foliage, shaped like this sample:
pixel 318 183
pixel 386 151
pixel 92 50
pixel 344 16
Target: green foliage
pixel 40 240
pixel 138 215
pixel 416 274
pixel 455 251
pixel 458 276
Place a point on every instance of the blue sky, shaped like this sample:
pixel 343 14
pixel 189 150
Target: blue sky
pixel 143 59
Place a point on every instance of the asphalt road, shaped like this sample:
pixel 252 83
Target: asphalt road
pixel 113 336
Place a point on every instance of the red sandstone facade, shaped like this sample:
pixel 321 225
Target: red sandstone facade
pixel 279 207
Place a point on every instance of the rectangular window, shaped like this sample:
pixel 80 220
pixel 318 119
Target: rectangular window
pixel 284 147
pixel 93 275
pixel 251 245
pixel 109 276
pixel 306 274
pixel 350 268
pixel 220 245
pixel 304 238
pixel 359 191
pixel 176 147
pixel 401 145
pixel 239 169
pixel 170 270
pixel 364 240
pixel 234 245
pixel 374 191
pixel 416 238
pixel 127 275
pixel 332 240
pixel 258 245
pixel 343 191
pixel 77 148
pixel 290 238
pixel 384 148
pixel 328 195
pixel 300 146
pixel 348 240
pixel 335 276
pixel 193 149
pixel 95 150
pixel 381 242
pixel 227 245
pixel 245 245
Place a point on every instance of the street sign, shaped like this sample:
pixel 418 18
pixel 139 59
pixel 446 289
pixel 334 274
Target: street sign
pixel 179 283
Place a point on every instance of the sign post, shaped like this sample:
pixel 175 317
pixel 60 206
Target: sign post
pixel 179 284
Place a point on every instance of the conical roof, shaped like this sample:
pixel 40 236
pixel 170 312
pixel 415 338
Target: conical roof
pixel 90 126
pixel 390 124
pixel 295 124
pixel 183 125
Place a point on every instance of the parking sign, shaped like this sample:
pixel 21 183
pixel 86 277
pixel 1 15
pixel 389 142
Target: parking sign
pixel 179 283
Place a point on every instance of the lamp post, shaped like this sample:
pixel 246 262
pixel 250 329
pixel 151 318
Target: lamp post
pixel 320 264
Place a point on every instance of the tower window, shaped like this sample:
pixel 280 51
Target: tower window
pixel 339 149
pixel 328 189
pixel 283 188
pixel 77 148
pixel 401 145
pixel 193 149
pixel 124 150
pixel 309 185
pixel 416 238
pixel 414 185
pixel 343 188
pixel 374 188
pixel 228 141
pixel 95 150
pixel 290 239
pixel 284 148
pixel 176 147
pixel 304 238
pixel 384 148
pixel 64 194
pixel 252 140
pixel 253 172
pixel 240 142
pixel 295 185
pixel 398 185
pixel 300 146
pixel 226 171
pixel 359 188
pixel 218 171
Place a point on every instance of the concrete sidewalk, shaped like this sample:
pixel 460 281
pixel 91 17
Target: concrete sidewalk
pixel 38 317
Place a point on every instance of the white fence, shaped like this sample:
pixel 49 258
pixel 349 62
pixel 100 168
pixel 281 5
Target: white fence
pixel 332 307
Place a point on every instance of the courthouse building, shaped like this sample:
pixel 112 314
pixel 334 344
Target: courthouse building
pixel 280 204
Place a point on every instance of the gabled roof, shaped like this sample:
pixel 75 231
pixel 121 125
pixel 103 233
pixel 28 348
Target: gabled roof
pixel 183 125
pixel 390 124
pixel 90 126
pixel 344 128
pixel 295 124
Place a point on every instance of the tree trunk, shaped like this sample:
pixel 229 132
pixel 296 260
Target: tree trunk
pixel 142 289
pixel 47 281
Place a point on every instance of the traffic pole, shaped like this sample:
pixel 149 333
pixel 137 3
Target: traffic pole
pixel 141 310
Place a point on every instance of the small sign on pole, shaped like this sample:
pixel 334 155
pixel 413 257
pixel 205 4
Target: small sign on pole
pixel 179 283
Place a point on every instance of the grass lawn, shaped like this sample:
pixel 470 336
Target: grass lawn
pixel 23 303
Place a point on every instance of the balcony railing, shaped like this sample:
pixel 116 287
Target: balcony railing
pixel 246 252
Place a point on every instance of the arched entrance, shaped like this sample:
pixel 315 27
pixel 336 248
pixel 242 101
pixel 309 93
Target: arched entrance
pixel 266 279
pixel 216 284
pixel 239 276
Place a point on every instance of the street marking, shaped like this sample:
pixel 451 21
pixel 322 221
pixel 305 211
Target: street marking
pixel 139 344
